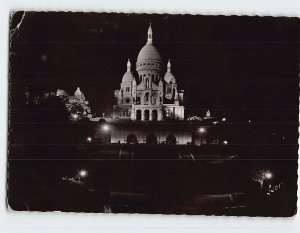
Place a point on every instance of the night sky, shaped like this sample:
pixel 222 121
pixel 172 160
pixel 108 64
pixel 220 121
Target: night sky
pixel 236 66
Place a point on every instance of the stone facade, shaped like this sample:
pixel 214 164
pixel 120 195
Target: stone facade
pixel 149 96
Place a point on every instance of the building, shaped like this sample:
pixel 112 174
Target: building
pixel 149 95
pixel 149 106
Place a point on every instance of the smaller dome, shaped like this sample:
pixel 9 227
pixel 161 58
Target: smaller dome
pixel 169 77
pixel 128 76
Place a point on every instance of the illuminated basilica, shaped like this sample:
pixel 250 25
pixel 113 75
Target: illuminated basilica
pixel 149 106
pixel 149 96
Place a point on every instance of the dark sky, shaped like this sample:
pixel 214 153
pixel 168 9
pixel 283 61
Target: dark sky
pixel 235 66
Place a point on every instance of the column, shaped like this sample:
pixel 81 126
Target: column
pixel 143 115
pixel 159 115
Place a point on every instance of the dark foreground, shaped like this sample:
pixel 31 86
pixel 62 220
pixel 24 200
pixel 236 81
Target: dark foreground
pixel 158 179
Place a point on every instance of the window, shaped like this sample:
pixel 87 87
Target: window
pixel 127 89
pixel 169 90
pixel 147 83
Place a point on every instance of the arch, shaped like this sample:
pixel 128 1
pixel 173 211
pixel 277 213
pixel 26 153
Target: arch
pixel 132 139
pixel 171 139
pixel 154 115
pixel 146 115
pixel 138 115
pixel 127 100
pixel 151 139
pixel 168 89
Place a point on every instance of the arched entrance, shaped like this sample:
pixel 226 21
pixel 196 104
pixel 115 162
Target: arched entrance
pixel 171 139
pixel 154 115
pixel 138 115
pixel 146 114
pixel 151 139
pixel 132 139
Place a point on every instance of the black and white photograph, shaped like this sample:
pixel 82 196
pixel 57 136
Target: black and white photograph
pixel 171 114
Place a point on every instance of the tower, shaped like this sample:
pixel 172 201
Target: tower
pixel 124 96
pixel 149 68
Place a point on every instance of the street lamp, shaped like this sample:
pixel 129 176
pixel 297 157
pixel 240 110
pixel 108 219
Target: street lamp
pixel 262 175
pixel 268 175
pixel 105 128
pixel 202 130
pixel 88 139
pixel 225 142
pixel 82 173
pixel 223 119
pixel 74 116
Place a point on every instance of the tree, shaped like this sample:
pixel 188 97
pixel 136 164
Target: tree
pixel 76 105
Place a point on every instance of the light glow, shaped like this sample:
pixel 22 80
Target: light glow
pixel 202 130
pixel 74 115
pixel 82 173
pixel 268 175
pixel 105 127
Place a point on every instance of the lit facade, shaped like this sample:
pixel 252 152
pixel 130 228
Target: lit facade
pixel 149 95
pixel 149 106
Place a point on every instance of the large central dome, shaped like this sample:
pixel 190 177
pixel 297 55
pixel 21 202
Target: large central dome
pixel 149 52
pixel 149 57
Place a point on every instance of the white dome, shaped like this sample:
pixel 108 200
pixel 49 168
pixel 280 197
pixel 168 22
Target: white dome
pixel 169 78
pixel 149 52
pixel 127 78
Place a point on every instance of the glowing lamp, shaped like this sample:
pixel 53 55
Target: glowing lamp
pixel 202 130
pixel 105 127
pixel 82 173
pixel 268 175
